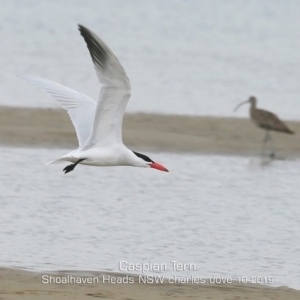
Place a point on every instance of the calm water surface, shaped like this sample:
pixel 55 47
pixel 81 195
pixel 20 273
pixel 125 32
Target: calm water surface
pixel 228 215
pixel 182 57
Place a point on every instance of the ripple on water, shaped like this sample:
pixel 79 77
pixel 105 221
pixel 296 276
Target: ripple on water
pixel 225 215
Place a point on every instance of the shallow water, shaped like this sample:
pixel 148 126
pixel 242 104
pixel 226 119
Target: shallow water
pixel 182 57
pixel 229 216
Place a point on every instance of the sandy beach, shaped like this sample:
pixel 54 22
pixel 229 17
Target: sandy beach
pixel 51 128
pixel 19 284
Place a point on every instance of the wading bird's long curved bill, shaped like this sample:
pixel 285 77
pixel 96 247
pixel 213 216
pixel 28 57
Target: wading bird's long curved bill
pixel 239 105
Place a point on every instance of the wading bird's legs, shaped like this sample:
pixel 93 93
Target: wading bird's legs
pixel 272 150
pixel 71 167
pixel 266 139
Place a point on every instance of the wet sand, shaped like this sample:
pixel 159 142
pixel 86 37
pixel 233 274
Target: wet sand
pixel 19 284
pixel 51 128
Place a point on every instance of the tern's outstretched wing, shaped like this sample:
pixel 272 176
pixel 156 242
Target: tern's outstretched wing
pixel 114 94
pixel 80 107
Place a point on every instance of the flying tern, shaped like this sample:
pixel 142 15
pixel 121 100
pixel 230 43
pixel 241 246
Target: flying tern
pixel 98 124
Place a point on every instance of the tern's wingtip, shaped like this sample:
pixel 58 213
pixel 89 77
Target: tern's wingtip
pixel 24 76
pixel 81 27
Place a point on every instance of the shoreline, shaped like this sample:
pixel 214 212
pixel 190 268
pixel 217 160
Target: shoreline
pixel 17 284
pixel 52 128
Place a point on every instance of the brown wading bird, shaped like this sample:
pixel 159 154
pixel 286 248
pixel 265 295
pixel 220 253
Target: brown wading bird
pixel 265 120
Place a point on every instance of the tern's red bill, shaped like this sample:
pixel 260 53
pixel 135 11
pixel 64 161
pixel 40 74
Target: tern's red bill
pixel 159 167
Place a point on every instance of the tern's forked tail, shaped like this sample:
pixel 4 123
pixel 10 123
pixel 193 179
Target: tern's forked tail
pixel 56 161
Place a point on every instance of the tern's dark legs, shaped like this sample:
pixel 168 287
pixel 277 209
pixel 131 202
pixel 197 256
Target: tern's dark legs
pixel 71 167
